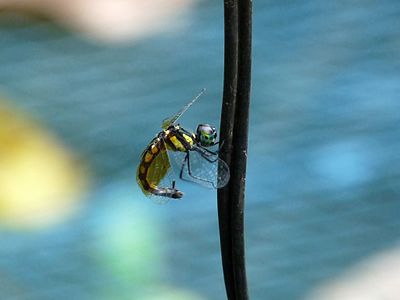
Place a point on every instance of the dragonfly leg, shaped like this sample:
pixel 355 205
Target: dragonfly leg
pixel 186 161
pixel 220 145
pixel 205 153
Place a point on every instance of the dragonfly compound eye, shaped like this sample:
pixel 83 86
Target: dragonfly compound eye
pixel 206 135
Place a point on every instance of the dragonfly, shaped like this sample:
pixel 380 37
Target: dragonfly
pixel 192 154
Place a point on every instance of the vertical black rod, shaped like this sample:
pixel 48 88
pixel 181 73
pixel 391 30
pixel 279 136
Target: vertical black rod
pixel 240 142
pixel 226 130
pixel 234 134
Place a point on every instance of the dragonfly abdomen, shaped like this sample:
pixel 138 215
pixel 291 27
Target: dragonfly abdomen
pixel 152 169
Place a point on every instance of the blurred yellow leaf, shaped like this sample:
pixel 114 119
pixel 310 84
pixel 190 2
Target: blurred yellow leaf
pixel 40 181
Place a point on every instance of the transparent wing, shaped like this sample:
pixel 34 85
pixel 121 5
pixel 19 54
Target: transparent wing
pixel 204 168
pixel 171 120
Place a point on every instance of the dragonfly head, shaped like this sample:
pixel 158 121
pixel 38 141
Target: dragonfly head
pixel 206 135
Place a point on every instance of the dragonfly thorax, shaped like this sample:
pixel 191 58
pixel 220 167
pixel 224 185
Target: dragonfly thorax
pixel 178 139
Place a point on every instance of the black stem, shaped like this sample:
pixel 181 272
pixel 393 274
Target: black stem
pixel 231 21
pixel 234 134
pixel 240 142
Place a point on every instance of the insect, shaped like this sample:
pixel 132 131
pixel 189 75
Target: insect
pixel 199 164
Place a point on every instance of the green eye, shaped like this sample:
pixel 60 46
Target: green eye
pixel 206 135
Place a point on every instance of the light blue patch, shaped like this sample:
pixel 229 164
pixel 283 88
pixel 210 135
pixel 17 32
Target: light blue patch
pixel 344 163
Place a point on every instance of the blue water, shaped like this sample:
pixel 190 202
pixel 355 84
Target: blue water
pixel 323 178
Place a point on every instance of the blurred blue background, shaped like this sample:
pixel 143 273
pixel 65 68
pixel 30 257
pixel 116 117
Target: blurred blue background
pixel 323 176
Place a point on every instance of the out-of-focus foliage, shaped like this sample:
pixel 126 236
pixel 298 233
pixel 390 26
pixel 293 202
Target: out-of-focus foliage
pixel 376 277
pixel 108 21
pixel 127 242
pixel 41 182
pixel 170 293
pixel 127 250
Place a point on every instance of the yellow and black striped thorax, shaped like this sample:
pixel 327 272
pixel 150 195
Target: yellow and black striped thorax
pixel 177 139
